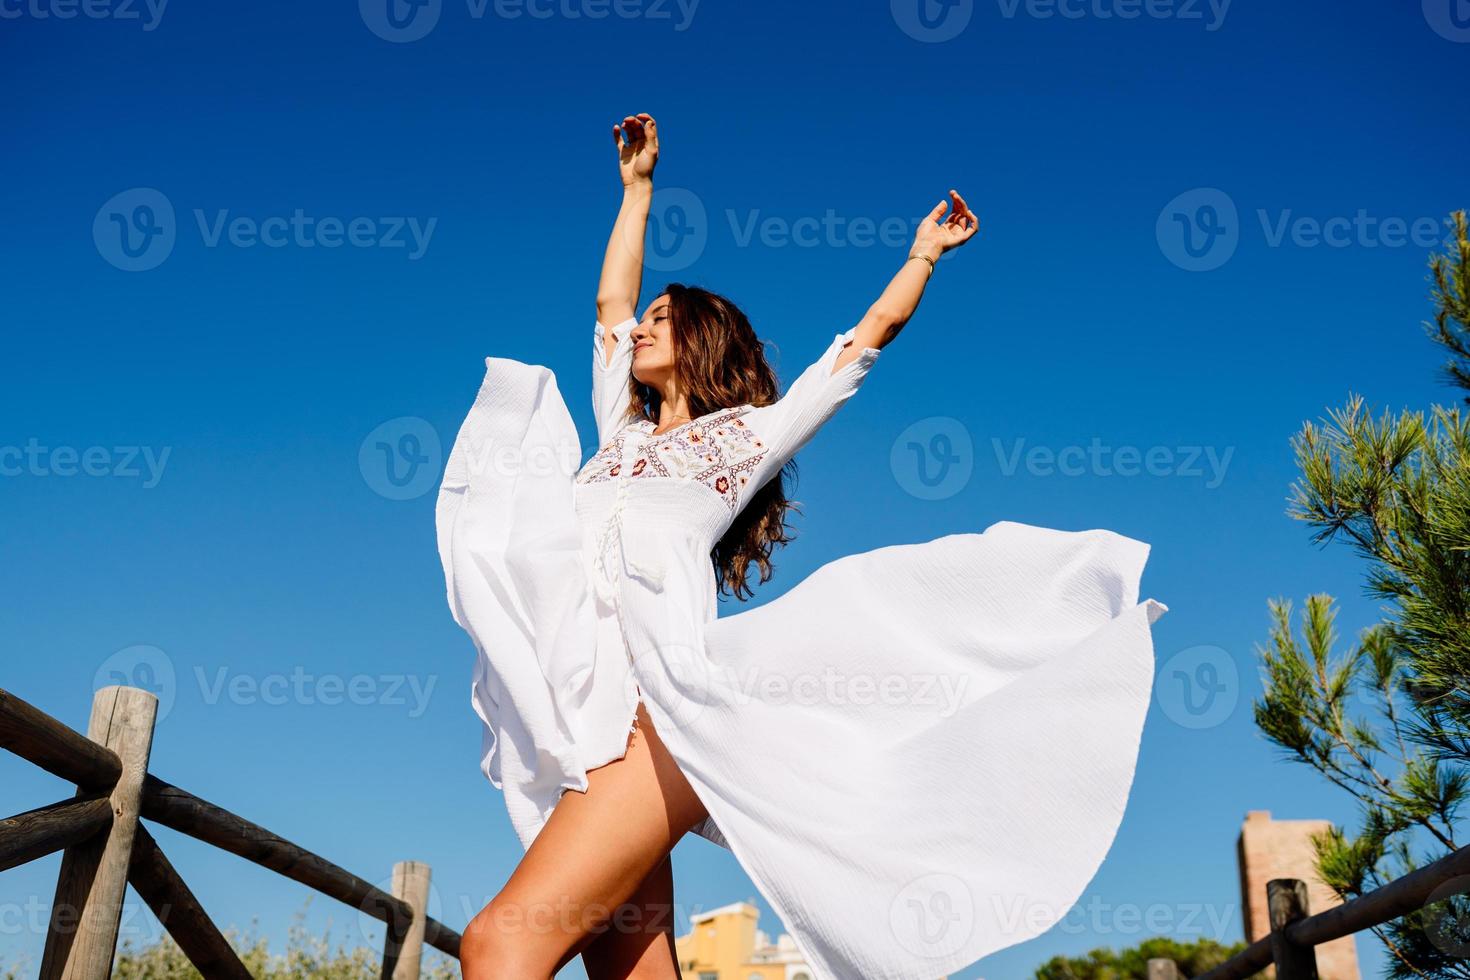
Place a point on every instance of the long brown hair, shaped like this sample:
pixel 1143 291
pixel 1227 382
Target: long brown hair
pixel 722 364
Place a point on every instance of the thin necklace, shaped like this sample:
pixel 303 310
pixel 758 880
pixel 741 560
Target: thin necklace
pixel 674 415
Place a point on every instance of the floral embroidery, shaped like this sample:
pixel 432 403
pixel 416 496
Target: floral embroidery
pixel 718 450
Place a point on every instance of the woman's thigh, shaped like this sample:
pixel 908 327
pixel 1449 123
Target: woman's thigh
pixel 639 940
pixel 593 855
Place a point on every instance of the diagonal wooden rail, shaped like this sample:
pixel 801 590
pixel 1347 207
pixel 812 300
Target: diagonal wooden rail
pixel 1295 933
pixel 105 847
pixel 1291 945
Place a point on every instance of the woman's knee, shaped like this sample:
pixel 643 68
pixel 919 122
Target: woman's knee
pixel 502 942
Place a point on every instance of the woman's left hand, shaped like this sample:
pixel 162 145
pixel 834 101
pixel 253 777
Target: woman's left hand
pixel 935 237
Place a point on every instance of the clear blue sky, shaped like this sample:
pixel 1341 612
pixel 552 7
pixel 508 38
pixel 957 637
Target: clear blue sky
pixel 1081 317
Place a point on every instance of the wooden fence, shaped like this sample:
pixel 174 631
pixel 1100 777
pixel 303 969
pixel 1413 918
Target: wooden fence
pixel 1291 946
pixel 105 847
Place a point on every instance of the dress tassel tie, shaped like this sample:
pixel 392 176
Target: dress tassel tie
pixel 651 575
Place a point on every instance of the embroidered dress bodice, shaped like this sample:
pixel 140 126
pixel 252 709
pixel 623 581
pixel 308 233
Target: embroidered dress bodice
pixel 653 502
pixel 711 459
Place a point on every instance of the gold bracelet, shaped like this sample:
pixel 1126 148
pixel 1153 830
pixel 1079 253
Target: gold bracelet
pixel 920 255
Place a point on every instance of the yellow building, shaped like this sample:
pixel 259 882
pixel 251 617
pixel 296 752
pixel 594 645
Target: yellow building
pixel 724 944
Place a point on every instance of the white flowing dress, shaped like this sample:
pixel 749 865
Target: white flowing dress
pixel 920 754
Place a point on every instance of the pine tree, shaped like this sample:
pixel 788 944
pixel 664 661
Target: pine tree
pixel 1396 488
pixel 1451 274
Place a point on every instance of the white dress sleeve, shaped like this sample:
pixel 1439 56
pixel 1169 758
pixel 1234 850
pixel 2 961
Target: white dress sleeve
pixel 814 397
pixel 610 397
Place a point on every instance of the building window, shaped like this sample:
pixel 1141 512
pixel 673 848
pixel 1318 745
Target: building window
pixel 709 976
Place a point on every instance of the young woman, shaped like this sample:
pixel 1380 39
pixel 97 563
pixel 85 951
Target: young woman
pixel 920 754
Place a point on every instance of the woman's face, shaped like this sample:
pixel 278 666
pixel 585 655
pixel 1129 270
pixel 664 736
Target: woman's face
pixel 653 345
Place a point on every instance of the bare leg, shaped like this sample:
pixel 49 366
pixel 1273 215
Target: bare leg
pixel 640 942
pixel 595 853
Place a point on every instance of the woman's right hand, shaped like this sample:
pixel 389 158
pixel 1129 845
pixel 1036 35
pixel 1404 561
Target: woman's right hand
pixel 637 143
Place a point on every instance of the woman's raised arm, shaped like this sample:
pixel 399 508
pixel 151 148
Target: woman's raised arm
pixel 622 266
pixel 886 317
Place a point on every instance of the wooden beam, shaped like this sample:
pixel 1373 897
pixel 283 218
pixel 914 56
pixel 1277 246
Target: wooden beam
pixel 36 833
pixel 1396 899
pixel 81 938
pixel 200 819
pixel 158 884
pixel 183 811
pixel 441 937
pixel 38 738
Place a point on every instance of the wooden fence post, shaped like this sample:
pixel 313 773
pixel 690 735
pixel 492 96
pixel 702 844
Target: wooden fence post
pixel 402 955
pixel 81 938
pixel 1286 898
pixel 1162 969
